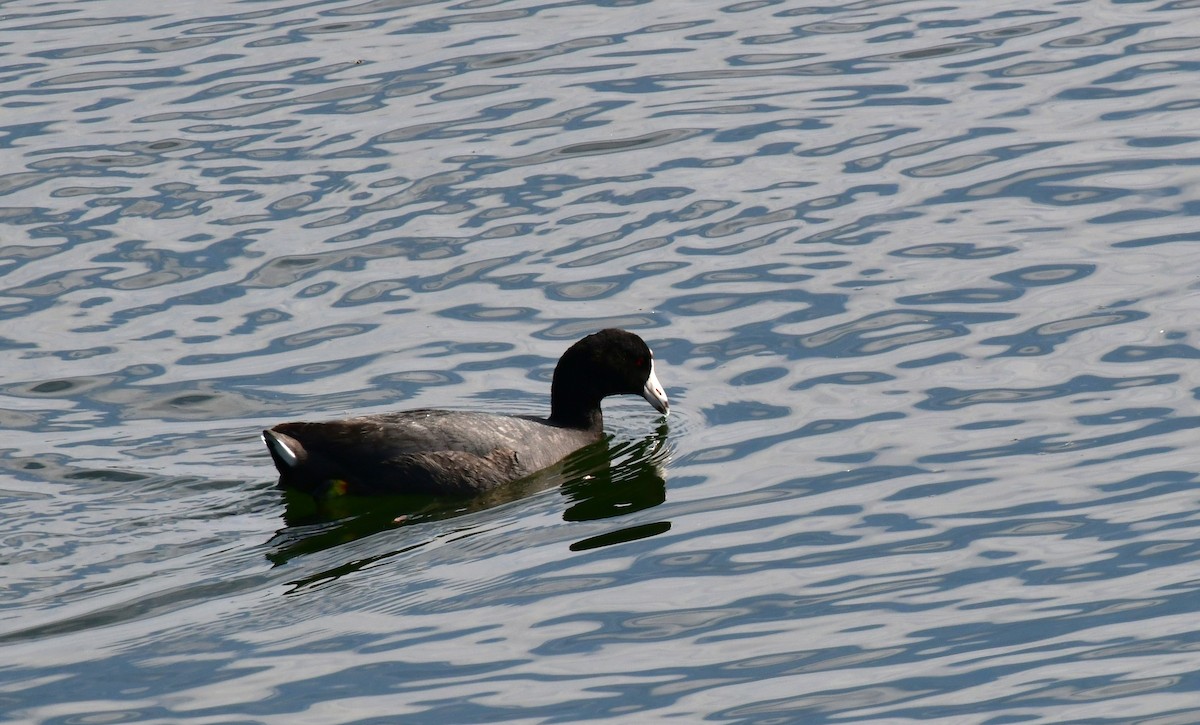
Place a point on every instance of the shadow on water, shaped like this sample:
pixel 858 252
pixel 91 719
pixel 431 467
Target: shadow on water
pixel 601 481
pixel 627 479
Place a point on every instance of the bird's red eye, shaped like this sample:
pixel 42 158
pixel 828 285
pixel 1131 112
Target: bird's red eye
pixel 640 362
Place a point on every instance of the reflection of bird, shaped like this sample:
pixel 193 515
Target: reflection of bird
pixel 620 479
pixel 461 453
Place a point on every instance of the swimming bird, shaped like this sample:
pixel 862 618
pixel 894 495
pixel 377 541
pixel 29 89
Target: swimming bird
pixel 459 453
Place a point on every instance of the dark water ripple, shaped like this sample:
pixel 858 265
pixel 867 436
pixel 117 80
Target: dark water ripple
pixel 919 278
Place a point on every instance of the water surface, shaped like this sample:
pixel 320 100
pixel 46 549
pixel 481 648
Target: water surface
pixel 918 277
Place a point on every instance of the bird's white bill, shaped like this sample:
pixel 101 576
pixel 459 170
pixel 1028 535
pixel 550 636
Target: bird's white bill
pixel 654 393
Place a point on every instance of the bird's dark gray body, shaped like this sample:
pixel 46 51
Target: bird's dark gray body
pixel 429 451
pixel 461 453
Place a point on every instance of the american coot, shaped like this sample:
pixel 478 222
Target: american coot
pixel 442 452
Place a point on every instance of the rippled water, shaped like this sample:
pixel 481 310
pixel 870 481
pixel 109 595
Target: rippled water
pixel 919 276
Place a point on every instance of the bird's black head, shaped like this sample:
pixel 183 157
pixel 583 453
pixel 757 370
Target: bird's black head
pixel 609 362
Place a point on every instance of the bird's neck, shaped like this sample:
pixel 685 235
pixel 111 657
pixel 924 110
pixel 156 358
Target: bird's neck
pixel 575 404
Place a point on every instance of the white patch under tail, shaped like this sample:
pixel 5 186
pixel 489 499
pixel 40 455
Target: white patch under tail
pixel 281 450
